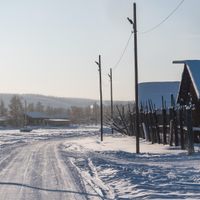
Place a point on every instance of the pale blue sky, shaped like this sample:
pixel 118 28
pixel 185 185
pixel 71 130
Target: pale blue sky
pixel 49 46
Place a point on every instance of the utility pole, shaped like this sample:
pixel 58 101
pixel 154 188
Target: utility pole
pixel 134 23
pixel 111 97
pixel 100 87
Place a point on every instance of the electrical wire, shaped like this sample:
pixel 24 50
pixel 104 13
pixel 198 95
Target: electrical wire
pixel 164 20
pixel 123 52
pixel 105 83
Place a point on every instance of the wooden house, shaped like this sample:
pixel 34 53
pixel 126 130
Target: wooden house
pixel 42 119
pixel 189 89
pixel 35 118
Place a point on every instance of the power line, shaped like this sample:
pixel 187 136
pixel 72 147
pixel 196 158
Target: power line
pixel 144 32
pixel 105 84
pixel 164 20
pixel 123 52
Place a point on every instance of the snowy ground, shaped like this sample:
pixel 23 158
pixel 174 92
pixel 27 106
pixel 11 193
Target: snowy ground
pixel 73 164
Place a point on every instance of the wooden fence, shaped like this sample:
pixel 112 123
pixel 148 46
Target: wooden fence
pixel 171 125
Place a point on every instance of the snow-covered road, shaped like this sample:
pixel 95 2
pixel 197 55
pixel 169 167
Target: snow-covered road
pixel 73 164
pixel 37 171
pixel 31 167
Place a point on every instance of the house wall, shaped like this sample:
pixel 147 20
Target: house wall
pixel 35 122
pixel 58 123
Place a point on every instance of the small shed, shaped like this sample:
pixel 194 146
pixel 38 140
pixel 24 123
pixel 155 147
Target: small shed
pixel 4 121
pixel 189 89
pixel 58 120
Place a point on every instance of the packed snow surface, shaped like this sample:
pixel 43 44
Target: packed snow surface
pixel 75 164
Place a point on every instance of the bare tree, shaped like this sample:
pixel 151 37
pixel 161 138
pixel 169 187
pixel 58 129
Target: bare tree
pixel 16 111
pixel 39 107
pixel 3 109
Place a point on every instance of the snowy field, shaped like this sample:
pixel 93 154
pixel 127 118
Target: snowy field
pixel 72 164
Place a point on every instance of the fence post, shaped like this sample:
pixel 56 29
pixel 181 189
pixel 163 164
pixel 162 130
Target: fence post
pixel 146 118
pixel 164 120
pixel 190 135
pixel 164 113
pixel 176 141
pixel 141 120
pixel 151 120
pixel 181 128
pixel 156 127
pixel 131 127
pixel 171 132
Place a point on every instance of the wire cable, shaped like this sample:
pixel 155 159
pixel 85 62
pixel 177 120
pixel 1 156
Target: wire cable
pixel 123 52
pixel 164 20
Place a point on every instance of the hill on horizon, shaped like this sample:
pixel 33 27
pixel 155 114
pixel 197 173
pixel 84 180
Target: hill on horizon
pixel 52 101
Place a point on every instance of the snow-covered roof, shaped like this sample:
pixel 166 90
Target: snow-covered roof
pixel 193 67
pixel 58 120
pixel 40 115
pixel 37 115
pixel 155 90
pixel 59 116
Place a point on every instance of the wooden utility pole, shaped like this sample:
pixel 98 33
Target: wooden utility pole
pixel 101 101
pixel 134 23
pixel 111 96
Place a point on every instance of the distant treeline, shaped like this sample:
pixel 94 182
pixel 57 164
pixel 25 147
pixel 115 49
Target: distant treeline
pixel 17 106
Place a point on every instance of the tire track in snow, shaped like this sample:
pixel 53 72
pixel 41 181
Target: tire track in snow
pixel 9 175
pixel 37 171
pixel 87 170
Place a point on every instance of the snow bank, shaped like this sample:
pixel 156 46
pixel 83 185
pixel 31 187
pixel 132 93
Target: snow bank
pixel 114 170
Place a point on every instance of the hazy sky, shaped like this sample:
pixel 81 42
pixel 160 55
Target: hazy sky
pixel 49 46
